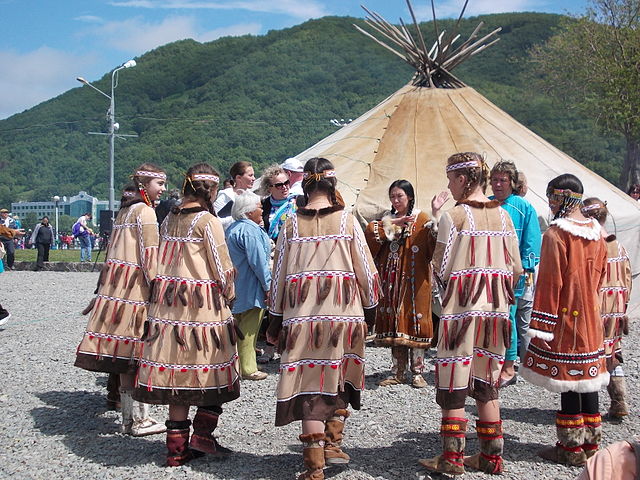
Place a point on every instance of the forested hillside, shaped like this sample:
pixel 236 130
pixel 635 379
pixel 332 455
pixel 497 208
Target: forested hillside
pixel 262 99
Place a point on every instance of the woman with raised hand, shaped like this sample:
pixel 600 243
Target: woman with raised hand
pixel 566 353
pixel 190 355
pixel 476 260
pixel 323 279
pixel 112 341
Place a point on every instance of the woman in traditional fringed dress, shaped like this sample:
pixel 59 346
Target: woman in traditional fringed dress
pixel 111 342
pixel 566 353
pixel 402 244
pixel 323 278
pixel 190 355
pixel 477 260
pixel 614 298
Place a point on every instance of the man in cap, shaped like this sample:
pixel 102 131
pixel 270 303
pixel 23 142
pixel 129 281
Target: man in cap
pixel 6 237
pixel 293 168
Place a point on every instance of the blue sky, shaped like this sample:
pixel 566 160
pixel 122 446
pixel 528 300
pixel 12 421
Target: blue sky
pixel 46 44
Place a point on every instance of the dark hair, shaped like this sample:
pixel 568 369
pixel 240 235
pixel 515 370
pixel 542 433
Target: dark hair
pixel 598 209
pixel 407 188
pixel 145 167
pixel 313 183
pixel 509 168
pixel 633 188
pixel 128 200
pixel 568 182
pixel 44 218
pixel 475 175
pixel 238 168
pixel 200 189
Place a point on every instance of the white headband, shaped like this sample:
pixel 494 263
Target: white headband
pixel 144 173
pixel 205 176
pixel 593 206
pixel 128 194
pixel 458 166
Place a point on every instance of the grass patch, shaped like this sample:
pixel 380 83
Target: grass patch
pixel 54 255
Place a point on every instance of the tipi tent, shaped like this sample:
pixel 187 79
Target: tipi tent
pixel 411 134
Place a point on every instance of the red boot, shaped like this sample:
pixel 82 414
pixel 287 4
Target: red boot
pixel 178 452
pixel 204 423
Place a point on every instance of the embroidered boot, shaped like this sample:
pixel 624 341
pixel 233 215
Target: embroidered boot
pixel 126 408
pixel 489 460
pixel 400 359
pixel 313 455
pixel 568 450
pixel 617 389
pixel 333 454
pixel 452 432
pixel 143 424
pixel 592 433
pixel 178 452
pixel 204 423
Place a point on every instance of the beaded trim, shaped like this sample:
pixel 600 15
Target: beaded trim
pixel 459 166
pixel 205 176
pixel 145 173
pixel 567 193
pixel 128 194
pixel 325 174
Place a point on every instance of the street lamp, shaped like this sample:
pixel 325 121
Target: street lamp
pixel 113 126
pixel 56 200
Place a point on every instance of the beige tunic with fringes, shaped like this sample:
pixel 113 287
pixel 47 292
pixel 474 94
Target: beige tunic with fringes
pixel 477 259
pixel 111 342
pixel 323 277
pixel 189 355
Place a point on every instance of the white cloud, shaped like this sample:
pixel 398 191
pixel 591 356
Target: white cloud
pixel 136 36
pixel 452 8
pixel 294 8
pixel 89 19
pixel 30 78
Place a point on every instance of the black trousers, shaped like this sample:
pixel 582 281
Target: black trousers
pixel 10 247
pixel 43 254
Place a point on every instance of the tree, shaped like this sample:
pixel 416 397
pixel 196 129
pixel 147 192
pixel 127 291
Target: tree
pixel 593 64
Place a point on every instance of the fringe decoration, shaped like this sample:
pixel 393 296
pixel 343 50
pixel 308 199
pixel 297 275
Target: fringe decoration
pixel 139 316
pixel 487 333
pixel 155 334
pixel 325 288
pixel 178 336
pixel 507 256
pixel 494 288
pixel 453 334
pixel 232 333
pixel 291 338
pixel 357 334
pixel 511 298
pixel 196 338
pixel 216 379
pixel 283 340
pixel 466 289
pixel 322 379
pixel 118 275
pixel 133 278
pixel 215 294
pixel 346 287
pixel 104 273
pixel 119 313
pixel 197 294
pixel 481 285
pixel 304 291
pixel 89 307
pixel 449 291
pixel 169 293
pixel 181 293
pixel 215 336
pixel 319 335
pixel 466 323
pixel 473 252
pixel 489 259
pixel 292 293
pixel 103 312
pixel 336 334
pixel 506 333
pixel 236 327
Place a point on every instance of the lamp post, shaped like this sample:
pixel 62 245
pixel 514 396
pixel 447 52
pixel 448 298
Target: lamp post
pixel 56 200
pixel 113 126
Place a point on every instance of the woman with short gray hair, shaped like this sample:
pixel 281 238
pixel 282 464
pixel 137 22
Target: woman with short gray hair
pixel 250 250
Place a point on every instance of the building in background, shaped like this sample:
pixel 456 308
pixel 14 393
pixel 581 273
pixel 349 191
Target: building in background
pixel 72 206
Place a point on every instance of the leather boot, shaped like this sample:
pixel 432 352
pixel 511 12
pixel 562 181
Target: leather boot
pixel 451 462
pixel 204 423
pixel 178 452
pixel 313 455
pixel 333 454
pixel 401 358
pixel 617 389
pixel 489 460
pixel 126 408
pixel 113 392
pixel 568 450
pixel 592 433
pixel 143 424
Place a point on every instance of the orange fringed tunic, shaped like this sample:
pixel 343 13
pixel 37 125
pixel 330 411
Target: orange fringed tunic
pixel 190 355
pixel 323 276
pixel 404 312
pixel 614 297
pixel 566 353
pixel 111 342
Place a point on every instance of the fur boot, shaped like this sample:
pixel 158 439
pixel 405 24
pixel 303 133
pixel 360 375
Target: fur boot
pixel 178 452
pixel 400 359
pixel 143 424
pixel 568 450
pixel 126 408
pixel 333 454
pixel 617 389
pixel 204 423
pixel 489 460
pixel 313 455
pixel 592 433
pixel 451 462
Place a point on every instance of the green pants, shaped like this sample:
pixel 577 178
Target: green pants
pixel 249 322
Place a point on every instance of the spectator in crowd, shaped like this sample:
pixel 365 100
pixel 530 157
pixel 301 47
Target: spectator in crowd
pixel 7 238
pixel 293 168
pixel 43 237
pixel 243 177
pixel 166 204
pixel 634 191
pixel 228 183
pixel 250 251
pixel 83 233
pixel 278 202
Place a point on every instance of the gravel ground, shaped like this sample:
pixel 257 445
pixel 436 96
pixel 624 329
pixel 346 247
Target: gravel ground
pixel 53 422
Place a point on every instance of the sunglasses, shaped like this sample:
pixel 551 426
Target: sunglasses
pixel 281 184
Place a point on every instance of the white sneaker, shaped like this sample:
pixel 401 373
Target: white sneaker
pixel 4 318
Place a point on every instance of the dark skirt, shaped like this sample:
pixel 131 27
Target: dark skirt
pixel 200 398
pixel 95 363
pixel 316 406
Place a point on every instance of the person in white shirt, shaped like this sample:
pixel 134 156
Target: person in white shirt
pixel 293 168
pixel 243 175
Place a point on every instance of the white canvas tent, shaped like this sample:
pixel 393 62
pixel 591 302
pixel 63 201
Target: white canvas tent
pixel 411 134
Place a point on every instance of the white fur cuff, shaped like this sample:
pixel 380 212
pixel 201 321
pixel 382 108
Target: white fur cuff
pixel 546 336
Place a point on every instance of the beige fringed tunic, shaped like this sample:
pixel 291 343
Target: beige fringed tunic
pixel 477 260
pixel 189 355
pixel 566 353
pixel 111 342
pixel 614 298
pixel 323 276
pixel 403 258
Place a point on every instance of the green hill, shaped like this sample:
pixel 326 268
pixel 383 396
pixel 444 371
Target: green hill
pixel 262 99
